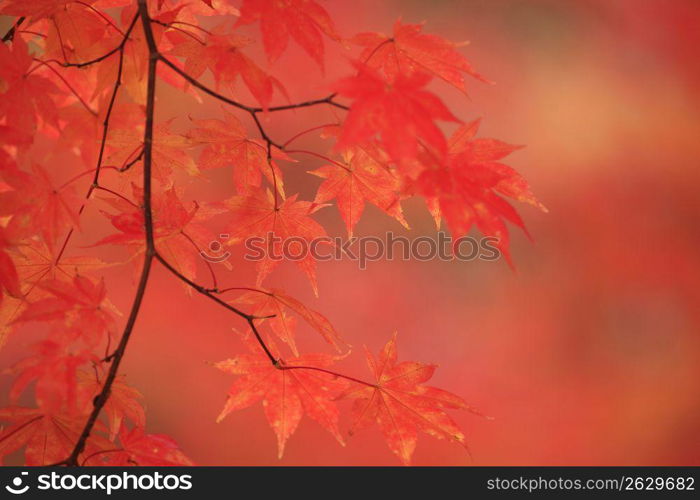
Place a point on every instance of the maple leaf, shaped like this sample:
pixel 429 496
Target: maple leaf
pixel 54 371
pixel 257 215
pixel 178 232
pixel 221 54
pixel 358 179
pixel 36 262
pixel 401 405
pixel 9 278
pixel 134 66
pixel 226 143
pixel 152 449
pixel 169 150
pixel 24 95
pixel 80 130
pixel 37 9
pixel 78 33
pixel 465 190
pixel 148 450
pixel 286 395
pixel 303 20
pixel 82 305
pixel 399 111
pixel 277 303
pixel 12 305
pixel 47 438
pixel 36 206
pixel 10 308
pixel 123 403
pixel 409 50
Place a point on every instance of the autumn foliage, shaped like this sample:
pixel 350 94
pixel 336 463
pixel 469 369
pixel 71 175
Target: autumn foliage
pixel 84 77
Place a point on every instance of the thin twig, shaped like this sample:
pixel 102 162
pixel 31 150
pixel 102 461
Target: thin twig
pixel 250 319
pixel 105 128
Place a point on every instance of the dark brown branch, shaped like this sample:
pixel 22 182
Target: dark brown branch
pixel 329 372
pixel 101 399
pixel 325 100
pixel 263 134
pixel 118 48
pixel 11 32
pixel 253 111
pixel 250 109
pixel 151 253
pixel 133 162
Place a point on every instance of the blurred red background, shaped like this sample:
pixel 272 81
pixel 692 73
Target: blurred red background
pixel 589 353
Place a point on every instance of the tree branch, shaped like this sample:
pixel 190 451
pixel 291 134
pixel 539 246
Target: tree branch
pixel 101 399
pixel 151 252
pixel 250 109
pixel 11 32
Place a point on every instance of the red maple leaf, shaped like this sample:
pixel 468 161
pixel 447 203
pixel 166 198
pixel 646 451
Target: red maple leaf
pixel 9 278
pixel 286 395
pixel 54 370
pixel 37 262
pixel 401 405
pixel 409 50
pixel 400 112
pixel 147 450
pixel 178 231
pixel 467 189
pixel 358 179
pixel 221 53
pixel 124 402
pixel 82 305
pixel 169 151
pixel 47 438
pixel 226 143
pixel 284 230
pixel 37 206
pixel 24 95
pixel 303 20
pixel 37 9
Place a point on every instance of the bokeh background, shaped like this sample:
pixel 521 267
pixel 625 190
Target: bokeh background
pixel 589 352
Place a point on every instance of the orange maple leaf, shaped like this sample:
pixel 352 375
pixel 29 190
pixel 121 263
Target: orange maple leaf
pixel 221 54
pixel 359 178
pixel 226 143
pixel 275 224
pixel 401 405
pixel 286 395
pixel 47 438
pixel 277 303
pixel 37 206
